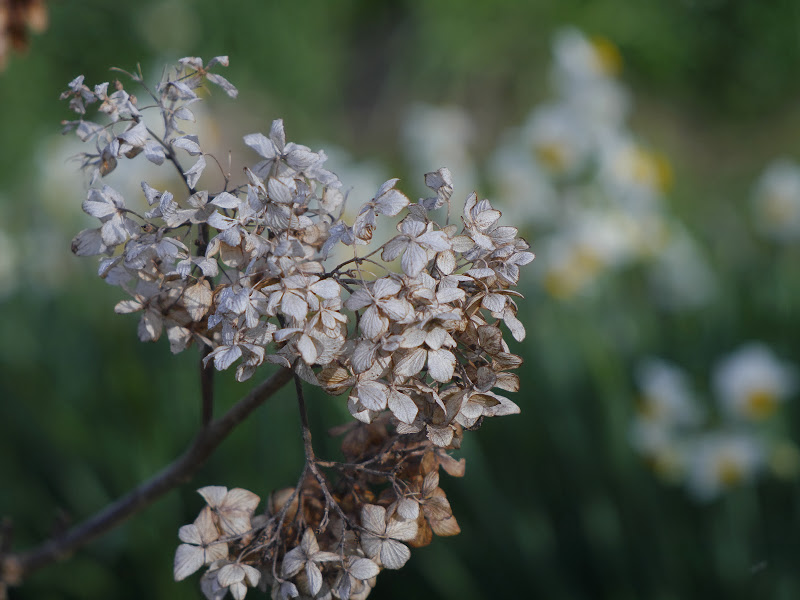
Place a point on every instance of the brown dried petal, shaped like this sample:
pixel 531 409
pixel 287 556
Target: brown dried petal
pixel 197 299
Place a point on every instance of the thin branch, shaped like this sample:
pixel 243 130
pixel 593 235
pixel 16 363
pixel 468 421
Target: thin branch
pixel 206 388
pixel 311 461
pixel 301 402
pixel 16 566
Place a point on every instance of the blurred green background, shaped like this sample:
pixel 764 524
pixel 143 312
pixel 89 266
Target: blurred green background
pixel 556 503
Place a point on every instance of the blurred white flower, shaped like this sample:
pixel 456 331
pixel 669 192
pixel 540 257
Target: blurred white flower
pixel 579 58
pixel 590 243
pixel 751 382
pixel 667 407
pixel 776 201
pixel 632 175
pixel 602 106
pixel 680 276
pixel 666 396
pixel 9 262
pixel 521 187
pixel 722 460
pixel 584 76
pixel 558 140
pixel 664 451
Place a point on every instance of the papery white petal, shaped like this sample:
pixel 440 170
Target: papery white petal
pixel 394 554
pixel 326 288
pixel 414 259
pixel 213 494
pixel 293 305
pixel 372 323
pixel 225 356
pixel 189 143
pixel 372 394
pixel 373 518
pixel 240 499
pixel 401 530
pixel 226 85
pixel 391 203
pixel 411 363
pixel 314 576
pixel 402 406
pixel 386 288
pixel 307 349
pixel 371 545
pixel 293 562
pixel 364 568
pixel 193 174
pixel 408 508
pixel 441 365
pixel 226 200
pixel 514 325
pixel 187 560
pixel 89 242
pixel 150 326
pixel 441 436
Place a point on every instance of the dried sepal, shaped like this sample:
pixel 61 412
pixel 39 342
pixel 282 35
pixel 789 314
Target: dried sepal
pixel 200 545
pixel 233 508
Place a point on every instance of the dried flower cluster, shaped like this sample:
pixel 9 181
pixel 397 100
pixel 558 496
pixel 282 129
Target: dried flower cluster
pixel 241 272
pixel 320 540
pixel 16 18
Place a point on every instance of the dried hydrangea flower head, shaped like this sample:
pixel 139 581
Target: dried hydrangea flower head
pixel 17 18
pixel 411 330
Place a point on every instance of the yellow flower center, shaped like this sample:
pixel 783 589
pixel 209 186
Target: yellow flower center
pixel 730 471
pixel 608 55
pixel 582 267
pixel 785 461
pixel 649 168
pixel 778 208
pixel 553 156
pixel 760 404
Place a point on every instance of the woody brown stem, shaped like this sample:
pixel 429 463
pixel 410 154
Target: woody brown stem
pixel 311 459
pixel 13 567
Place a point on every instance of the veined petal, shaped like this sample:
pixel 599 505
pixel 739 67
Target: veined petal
pixel 394 554
pixel 414 259
pixel 441 365
pixel 187 560
pixel 411 363
pixel 402 406
pixel 372 394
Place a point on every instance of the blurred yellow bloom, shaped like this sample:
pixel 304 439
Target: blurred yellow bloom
pixel 608 55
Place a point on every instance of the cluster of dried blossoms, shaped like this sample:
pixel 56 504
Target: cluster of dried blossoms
pixel 241 272
pixel 17 17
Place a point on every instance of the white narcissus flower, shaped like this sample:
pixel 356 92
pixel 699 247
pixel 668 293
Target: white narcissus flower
pixel 578 57
pixel 558 140
pixel 719 461
pixel 776 201
pixel 381 542
pixel 751 382
pixel 666 397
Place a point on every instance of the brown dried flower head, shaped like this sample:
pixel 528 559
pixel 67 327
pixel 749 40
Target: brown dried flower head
pixel 410 330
